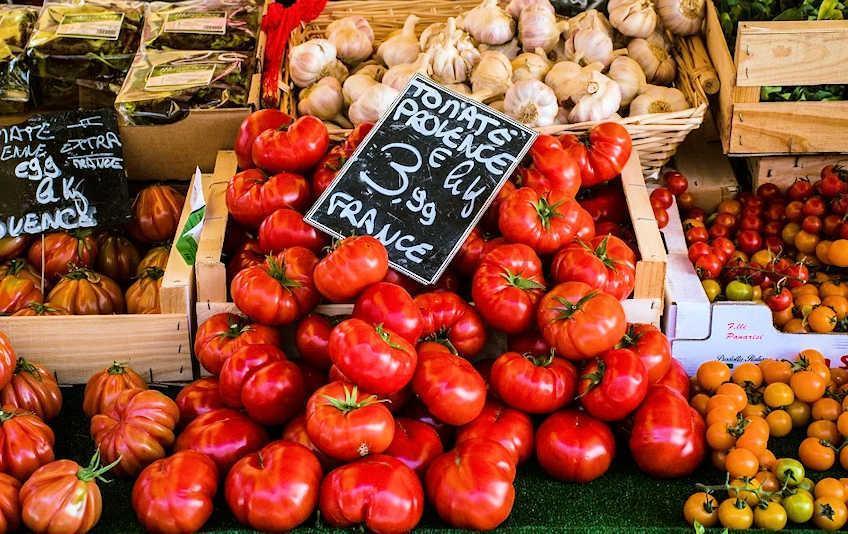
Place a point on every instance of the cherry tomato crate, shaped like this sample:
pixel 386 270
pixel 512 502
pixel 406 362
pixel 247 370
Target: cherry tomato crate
pixel 783 170
pixel 645 306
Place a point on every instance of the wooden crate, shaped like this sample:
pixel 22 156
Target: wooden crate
pixel 700 158
pixel 779 53
pixel 645 306
pixel 783 170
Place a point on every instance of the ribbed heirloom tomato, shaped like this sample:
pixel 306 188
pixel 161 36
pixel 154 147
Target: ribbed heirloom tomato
pixel 84 292
pixel 223 334
pixel 415 444
pixel 62 251
pixel 392 306
pixel 33 388
pixel 511 428
pixel 545 222
pixel 651 346
pixel 285 228
pixel 605 263
pixel 294 147
pixel 252 196
pixel 12 247
pixel 10 505
pixel 533 383
pixel 26 443
pixel 200 397
pixel 354 264
pixel 117 257
pixel 156 214
pixel 18 288
pixel 613 385
pixel 104 387
pixel 604 153
pixel 7 360
pixel 574 446
pixel 448 385
pixel 556 170
pixel 451 321
pixel 224 435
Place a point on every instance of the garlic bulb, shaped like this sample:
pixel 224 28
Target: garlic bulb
pixel 323 100
pixel 652 55
pixel 460 88
pixel 537 28
pixel 352 37
pixel 560 75
pixel 589 45
pixel 356 86
pixel 375 72
pixel 510 49
pixel 531 102
pixel 591 19
pixel 530 66
pixel 658 99
pixel 371 106
pixel 681 17
pixel 629 76
pixel 430 34
pixel 401 46
pixel 599 99
pixel 634 18
pixel 337 70
pixel 489 24
pixel 311 61
pixel 492 75
pixel 515 7
pixel 453 55
pixel 398 76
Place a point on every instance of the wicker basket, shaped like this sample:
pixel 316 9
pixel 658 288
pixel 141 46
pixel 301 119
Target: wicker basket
pixel 655 135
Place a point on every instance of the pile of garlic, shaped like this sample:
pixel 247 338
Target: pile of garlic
pixel 519 58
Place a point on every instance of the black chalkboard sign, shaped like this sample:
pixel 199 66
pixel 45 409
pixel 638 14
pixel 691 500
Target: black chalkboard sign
pixel 423 177
pixel 60 171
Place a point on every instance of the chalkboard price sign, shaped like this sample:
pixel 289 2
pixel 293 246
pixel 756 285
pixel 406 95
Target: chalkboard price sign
pixel 61 171
pixel 423 177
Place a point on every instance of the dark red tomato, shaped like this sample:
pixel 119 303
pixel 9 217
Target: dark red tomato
pixel 545 222
pixel 223 435
pixel 580 322
pixel 667 440
pixel 489 222
pixel 471 486
pixel 326 170
pixel 686 201
pixel 772 228
pixel 557 170
pixel 613 385
pixel 295 431
pixel 312 340
pixel 606 203
pixel 652 348
pixel 794 211
pixel 200 397
pixel 26 442
pixel 605 263
pixel 470 253
pixel 661 198
pixel 261 380
pixel 252 196
pixel 354 264
pixel 392 306
pixel 285 228
pixel 449 386
pixel 247 255
pixel 831 183
pixel 452 321
pixel 698 233
pixel 604 153
pixel 378 492
pixel 801 189
pixel 528 342
pixel 61 251
pixel 676 182
pixel 696 250
pixel 573 446
pixel 410 285
pixel 12 247
pixel 274 489
pixel 775 211
pixel 281 290
pixel 291 148
pixel 372 357
pixel 774 244
pixel 533 384
pixel 708 266
pixel 769 191
pixel 345 423
pixel 725 219
pixel 253 125
pixel 814 206
pixel 222 334
pixel 693 212
pixel 313 378
pixel 511 428
pixel 415 444
pixel 507 287
pixel 777 300
pixel 725 246
pixel 811 224
pixel 751 222
pixel 839 205
pixel 830 224
pixel 717 231
pixel 797 274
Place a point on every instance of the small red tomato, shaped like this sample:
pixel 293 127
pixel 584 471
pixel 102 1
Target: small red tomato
pixel 200 397
pixel 415 444
pixel 773 228
pixel 511 428
pixel 831 184
pixel 354 264
pixel 801 189
pixel 697 233
pixel 717 231
pixel 814 206
pixel 769 191
pixel 749 241
pixel 777 300
pixel 675 182
pixel 661 198
pixel 312 340
pixel 750 222
pixel 686 201
pixel 661 216
pixel 775 211
pixel 708 266
pixel 811 224
pixel 574 446
pixel 294 147
pixel 794 211
pixel 223 435
pixel 449 386
pixel 533 384
pixel 696 250
pixel 285 228
pixel 725 219
pixel 613 385
pixel 724 245
pixel 391 306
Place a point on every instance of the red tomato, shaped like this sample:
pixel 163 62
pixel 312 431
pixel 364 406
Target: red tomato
pixel 200 397
pixel 345 423
pixel 104 387
pixel 275 489
pixel 354 264
pixel 605 263
pixel 312 340
pixel 651 346
pixel 156 214
pixel 449 386
pixel 471 486
pixel 286 228
pixel 511 428
pixel 411 286
pixel 247 255
pixel 63 250
pixel 10 505
pixel 697 233
pixel 291 148
pixel 470 253
pixel 26 443
pixel 253 125
pixel 224 435
pixel 778 300
pixel 507 287
pixel 137 430
pixel 769 191
pixel 557 170
pixel 708 266
pixel 533 384
pixel 326 170
pixel 545 222
pixel 19 287
pixel 606 204
pixel 831 184
pixel 378 492
pixel 676 378
pixel 392 306
pixel 800 189
pixel 489 222
pixel 661 198
pixel 280 291
pixel 613 385
pixel 222 334
pixel 261 380
pixel 295 431
pixel 574 446
pixel 667 440
pixel 372 357
pixel 252 196
pixel 580 322
pixel 814 206
pixel 604 155
pixel 529 342
pixel 661 217
pixel 176 495
pixel 415 444
pixel 451 321
pixel 675 182
pixel 33 388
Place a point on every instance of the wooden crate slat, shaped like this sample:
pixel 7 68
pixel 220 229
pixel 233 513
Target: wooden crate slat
pixel 783 170
pixel 789 127
pixel 211 273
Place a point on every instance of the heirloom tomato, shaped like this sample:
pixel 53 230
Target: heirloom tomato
pixel 85 292
pixel 176 495
pixel 156 214
pixel 507 287
pixel 247 255
pixel 200 397
pixel 651 346
pixel 580 322
pixel 281 290
pixel 606 203
pixel 12 247
pixel 559 171
pixel 33 388
pixel 471 485
pixel 345 423
pixel 355 263
pixel 117 257
pixel 224 435
pixel 326 170
pixel 605 263
pixel 253 125
pixel 530 342
pixel 391 306
pixel 676 378
pixel 137 430
pixel 511 428
pixel 104 387
pixel 155 257
pixel 18 288
pixel 604 153
pixel 449 386
pixel 533 383
pixel 276 488
pixel 475 246
pixel 613 385
pixel 415 444
pixel 574 446
pixel 62 251
pixel 222 334
pixel 10 503
pixel 372 357
pixel 312 340
pixel 26 442
pixel 7 360
pixel 546 222
pixel 450 320
pixel 286 228
pixel 295 147
pixel 295 431
pixel 143 295
pixel 261 380
pixel 252 196
pixel 378 492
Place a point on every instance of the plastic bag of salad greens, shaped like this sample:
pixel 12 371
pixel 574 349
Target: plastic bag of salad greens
pixel 202 25
pixel 16 24
pixel 163 85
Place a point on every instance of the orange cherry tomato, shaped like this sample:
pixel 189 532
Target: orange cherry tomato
pixel 816 454
pixel 778 394
pixel 735 392
pixel 718 458
pixel 776 371
pixel 826 430
pixel 747 374
pixel 799 412
pixel 826 408
pixel 822 320
pixel 808 386
pixel 745 490
pixel 723 401
pixel 830 513
pixel 712 374
pixel 830 487
pixel 755 410
pixel 723 414
pixel 842 424
pixel 701 507
pixel 741 463
pixel 780 423
pixel 719 437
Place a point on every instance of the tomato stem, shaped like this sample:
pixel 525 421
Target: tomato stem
pixel 570 308
pixel 546 211
pixel 541 361
pixel 24 366
pixel 350 402
pixel 386 336
pixel 94 471
pixel 277 271
pixel 117 368
pixel 520 282
pixel 595 377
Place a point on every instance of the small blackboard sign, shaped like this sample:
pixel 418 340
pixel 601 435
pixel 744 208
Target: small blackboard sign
pixel 61 171
pixel 423 177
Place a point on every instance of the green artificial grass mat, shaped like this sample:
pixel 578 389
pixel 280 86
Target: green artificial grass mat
pixel 622 501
